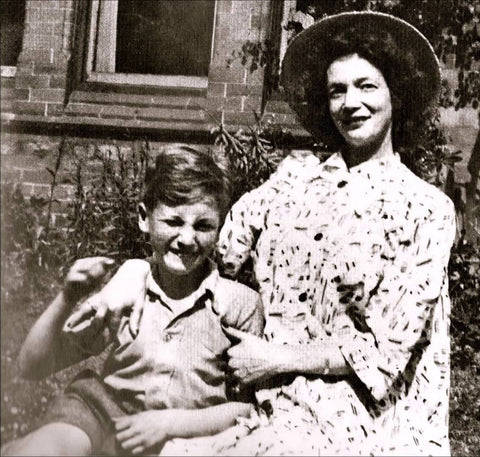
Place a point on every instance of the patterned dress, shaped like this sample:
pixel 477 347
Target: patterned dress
pixel 360 256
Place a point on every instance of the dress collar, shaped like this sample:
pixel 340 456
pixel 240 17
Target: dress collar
pixel 335 166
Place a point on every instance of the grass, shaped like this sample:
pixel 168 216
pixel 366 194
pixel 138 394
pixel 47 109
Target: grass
pixel 23 402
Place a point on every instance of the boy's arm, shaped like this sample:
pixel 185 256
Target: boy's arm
pixel 45 349
pixel 140 432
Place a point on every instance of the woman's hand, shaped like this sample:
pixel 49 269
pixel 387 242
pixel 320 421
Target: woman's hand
pixel 140 432
pixel 253 359
pixel 84 276
pixel 126 290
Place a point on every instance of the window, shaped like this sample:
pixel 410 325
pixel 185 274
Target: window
pixel 152 42
pixel 11 33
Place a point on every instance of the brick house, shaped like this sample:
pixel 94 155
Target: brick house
pixel 95 70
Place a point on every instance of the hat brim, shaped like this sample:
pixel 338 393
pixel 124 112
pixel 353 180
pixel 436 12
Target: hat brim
pixel 307 57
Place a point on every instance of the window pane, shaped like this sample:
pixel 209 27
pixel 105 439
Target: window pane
pixel 12 18
pixel 164 37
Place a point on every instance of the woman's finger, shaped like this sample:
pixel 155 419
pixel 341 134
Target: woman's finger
pixel 136 315
pixel 99 267
pixel 236 336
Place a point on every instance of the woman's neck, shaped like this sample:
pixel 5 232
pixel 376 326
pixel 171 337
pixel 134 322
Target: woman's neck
pixel 354 155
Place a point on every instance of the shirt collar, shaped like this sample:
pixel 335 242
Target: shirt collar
pixel 207 287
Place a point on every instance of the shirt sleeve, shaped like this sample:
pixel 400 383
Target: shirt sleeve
pixel 242 307
pixel 395 325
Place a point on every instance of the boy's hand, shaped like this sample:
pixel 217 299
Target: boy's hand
pixel 140 432
pixel 84 276
pixel 125 291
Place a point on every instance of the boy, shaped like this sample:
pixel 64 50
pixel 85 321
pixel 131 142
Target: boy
pixel 168 379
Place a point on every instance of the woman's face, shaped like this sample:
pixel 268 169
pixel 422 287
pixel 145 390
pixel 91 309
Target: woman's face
pixel 359 101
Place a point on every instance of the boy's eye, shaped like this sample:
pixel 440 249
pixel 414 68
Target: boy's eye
pixel 173 222
pixel 205 226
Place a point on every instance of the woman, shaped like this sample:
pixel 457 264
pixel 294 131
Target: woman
pixel 351 259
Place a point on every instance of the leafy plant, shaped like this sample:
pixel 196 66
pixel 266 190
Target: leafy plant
pixel 464 276
pixel 103 217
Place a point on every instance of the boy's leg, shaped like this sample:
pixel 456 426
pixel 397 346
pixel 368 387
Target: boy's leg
pixel 51 439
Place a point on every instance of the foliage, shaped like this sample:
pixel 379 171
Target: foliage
pixel 103 217
pixel 32 250
pixel 464 276
pixel 253 154
pixel 100 220
pixel 255 54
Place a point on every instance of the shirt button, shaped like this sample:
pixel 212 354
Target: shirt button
pixel 167 337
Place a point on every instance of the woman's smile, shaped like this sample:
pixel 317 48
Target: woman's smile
pixel 355 121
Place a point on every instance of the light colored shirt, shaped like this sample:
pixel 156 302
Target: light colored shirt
pixel 364 252
pixel 177 359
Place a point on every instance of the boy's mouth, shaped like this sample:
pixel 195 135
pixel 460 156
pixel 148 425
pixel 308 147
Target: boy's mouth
pixel 185 254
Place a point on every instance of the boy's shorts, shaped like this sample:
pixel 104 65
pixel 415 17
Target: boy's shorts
pixel 87 404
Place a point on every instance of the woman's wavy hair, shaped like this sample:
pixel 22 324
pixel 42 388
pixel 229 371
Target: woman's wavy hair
pixel 404 80
pixel 184 174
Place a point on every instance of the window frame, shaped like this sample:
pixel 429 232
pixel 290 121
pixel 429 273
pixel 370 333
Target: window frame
pixel 101 52
pixel 10 71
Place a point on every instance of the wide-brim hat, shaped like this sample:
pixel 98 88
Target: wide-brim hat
pixel 307 58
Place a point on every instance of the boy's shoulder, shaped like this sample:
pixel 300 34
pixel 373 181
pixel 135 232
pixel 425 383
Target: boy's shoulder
pixel 239 305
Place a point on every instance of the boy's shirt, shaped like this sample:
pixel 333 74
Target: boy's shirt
pixel 177 359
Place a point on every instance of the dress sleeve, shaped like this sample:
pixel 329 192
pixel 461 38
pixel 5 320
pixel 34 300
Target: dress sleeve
pixel 395 325
pixel 240 231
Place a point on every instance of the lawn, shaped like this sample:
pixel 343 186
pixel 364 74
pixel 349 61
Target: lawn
pixel 23 402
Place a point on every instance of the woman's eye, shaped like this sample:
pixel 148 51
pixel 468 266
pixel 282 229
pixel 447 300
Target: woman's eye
pixel 334 93
pixel 368 86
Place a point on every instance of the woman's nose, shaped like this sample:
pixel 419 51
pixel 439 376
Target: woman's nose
pixel 352 98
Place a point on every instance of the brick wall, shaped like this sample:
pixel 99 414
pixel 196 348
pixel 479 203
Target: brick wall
pixel 42 91
pixel 40 80
pixel 26 160
pixel 43 97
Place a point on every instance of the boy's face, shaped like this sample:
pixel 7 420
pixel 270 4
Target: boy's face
pixel 183 236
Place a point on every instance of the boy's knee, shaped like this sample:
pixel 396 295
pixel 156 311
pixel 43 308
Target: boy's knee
pixel 50 440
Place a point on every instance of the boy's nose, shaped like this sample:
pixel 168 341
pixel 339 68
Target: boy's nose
pixel 186 236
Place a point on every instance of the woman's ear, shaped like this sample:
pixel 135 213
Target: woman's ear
pixel 143 218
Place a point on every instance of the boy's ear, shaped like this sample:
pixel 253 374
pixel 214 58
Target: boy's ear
pixel 142 218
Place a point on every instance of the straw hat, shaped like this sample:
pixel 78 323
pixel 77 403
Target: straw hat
pixel 307 59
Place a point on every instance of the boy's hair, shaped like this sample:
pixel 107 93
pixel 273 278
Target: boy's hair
pixel 184 174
